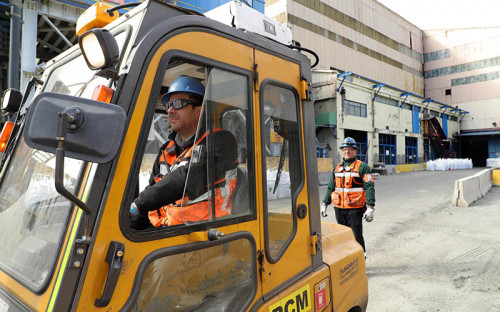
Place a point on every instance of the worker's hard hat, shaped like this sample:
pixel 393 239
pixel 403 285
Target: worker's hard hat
pixel 348 142
pixel 184 84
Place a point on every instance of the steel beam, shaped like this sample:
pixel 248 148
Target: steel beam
pixel 28 43
pixel 14 47
pixel 63 37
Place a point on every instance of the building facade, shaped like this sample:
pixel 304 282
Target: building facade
pixel 369 83
pixel 462 69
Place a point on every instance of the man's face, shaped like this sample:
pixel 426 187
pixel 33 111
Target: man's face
pixel 349 152
pixel 184 120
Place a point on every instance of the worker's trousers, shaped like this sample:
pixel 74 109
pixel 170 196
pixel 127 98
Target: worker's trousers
pixel 352 218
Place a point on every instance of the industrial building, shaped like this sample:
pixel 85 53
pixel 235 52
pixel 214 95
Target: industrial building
pixel 404 94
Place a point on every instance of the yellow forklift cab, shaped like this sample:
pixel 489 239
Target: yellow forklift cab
pixel 86 146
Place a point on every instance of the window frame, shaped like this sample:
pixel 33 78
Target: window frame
pixel 133 179
pixel 174 250
pixel 294 196
pixel 352 107
pixel 382 145
pixel 412 148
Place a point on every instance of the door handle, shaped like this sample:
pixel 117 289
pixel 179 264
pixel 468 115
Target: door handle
pixel 114 257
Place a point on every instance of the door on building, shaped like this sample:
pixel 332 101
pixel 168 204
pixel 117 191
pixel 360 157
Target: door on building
pixel 361 138
pixel 477 150
pixel 387 149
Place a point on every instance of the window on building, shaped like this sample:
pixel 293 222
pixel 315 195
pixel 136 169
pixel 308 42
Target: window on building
pixel 434 113
pixel 387 149
pixel 447 92
pixel 406 106
pixel 386 100
pixel 411 148
pixel 355 108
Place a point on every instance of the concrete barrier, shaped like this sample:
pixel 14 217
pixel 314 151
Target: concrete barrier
pixel 470 189
pixel 485 181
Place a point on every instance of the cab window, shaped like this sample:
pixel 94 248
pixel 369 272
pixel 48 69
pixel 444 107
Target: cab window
pixel 282 163
pixel 196 162
pixel 172 282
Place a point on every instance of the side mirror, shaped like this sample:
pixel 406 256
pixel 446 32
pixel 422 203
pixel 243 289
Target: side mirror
pixel 93 131
pixel 11 100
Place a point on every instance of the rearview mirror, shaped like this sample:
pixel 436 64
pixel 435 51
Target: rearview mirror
pixel 93 133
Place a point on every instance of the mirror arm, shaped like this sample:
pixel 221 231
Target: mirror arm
pixel 59 174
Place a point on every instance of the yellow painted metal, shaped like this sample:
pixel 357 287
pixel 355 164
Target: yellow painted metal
pixel 198 43
pixel 346 260
pixel 94 17
pixel 314 243
pixel 303 89
pixel 496 177
pixel 67 252
pixel 198 236
pixel 411 167
pixel 298 253
pixel 293 298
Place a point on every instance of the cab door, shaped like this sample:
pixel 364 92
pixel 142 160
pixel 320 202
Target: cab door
pixel 185 266
pixel 286 239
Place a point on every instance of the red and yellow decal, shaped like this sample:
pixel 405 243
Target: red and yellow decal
pixel 298 301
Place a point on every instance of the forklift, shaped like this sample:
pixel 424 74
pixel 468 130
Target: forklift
pixel 84 137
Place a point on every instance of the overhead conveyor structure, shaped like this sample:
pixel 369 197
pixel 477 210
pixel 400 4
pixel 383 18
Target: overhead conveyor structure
pixel 38 31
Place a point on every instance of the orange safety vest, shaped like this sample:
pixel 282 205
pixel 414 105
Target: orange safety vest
pixel 349 192
pixel 186 210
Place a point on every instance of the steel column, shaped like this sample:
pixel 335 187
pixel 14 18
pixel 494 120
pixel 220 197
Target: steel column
pixel 14 47
pixel 28 43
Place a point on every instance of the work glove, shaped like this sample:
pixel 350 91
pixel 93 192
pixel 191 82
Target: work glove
pixel 323 210
pixel 133 210
pixel 137 220
pixel 368 215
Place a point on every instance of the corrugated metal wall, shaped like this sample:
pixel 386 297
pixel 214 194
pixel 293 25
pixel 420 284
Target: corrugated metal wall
pixel 361 36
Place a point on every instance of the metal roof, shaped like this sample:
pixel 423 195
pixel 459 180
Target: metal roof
pixel 479 133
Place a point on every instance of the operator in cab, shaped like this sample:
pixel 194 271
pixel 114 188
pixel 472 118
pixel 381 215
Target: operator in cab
pixel 179 190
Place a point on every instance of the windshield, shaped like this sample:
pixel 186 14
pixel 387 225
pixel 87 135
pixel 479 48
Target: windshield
pixel 33 216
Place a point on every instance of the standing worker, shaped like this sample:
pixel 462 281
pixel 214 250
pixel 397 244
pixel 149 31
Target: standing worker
pixel 352 191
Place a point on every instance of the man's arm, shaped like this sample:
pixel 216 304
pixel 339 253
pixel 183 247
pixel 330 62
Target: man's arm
pixel 368 184
pixel 327 200
pixel 164 192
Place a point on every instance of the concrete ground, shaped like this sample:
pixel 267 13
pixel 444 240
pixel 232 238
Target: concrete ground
pixel 426 255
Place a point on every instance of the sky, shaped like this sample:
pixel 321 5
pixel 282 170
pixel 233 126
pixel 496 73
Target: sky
pixel 447 14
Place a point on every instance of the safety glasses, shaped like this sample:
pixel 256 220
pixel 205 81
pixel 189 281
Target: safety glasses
pixel 179 103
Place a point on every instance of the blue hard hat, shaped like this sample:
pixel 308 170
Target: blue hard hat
pixel 184 84
pixel 348 142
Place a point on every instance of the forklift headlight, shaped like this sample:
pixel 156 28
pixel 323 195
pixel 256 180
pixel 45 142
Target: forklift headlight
pixel 11 100
pixel 99 48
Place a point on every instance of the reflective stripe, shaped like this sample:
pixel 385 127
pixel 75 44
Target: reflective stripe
pixel 354 189
pixel 71 240
pixel 368 178
pixel 347 174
